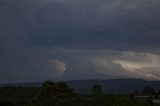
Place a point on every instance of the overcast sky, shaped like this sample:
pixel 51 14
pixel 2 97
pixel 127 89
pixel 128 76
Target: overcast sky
pixel 79 39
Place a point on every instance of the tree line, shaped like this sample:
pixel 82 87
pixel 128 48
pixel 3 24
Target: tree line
pixel 60 94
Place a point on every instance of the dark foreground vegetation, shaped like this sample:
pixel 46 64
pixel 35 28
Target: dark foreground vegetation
pixel 59 94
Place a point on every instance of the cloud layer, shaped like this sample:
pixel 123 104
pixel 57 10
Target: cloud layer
pixel 82 39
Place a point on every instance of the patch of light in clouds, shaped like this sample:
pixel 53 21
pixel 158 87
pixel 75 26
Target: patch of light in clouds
pixel 59 66
pixel 144 63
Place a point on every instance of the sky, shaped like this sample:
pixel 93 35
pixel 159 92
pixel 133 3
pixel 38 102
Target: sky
pixel 79 39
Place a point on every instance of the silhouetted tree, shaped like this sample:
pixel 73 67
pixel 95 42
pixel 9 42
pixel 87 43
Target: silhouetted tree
pixel 96 90
pixel 132 97
pixel 97 96
pixel 148 91
pixel 53 94
pixel 136 92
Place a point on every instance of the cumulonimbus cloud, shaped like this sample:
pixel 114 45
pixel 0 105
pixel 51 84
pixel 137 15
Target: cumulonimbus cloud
pixel 42 38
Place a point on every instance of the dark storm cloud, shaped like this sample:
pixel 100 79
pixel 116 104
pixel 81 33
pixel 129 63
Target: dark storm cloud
pixel 40 39
pixel 88 24
pixel 99 24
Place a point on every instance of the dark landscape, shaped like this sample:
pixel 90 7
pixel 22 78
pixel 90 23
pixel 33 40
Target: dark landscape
pixel 115 86
pixel 117 92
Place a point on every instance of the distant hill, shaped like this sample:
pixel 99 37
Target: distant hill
pixel 24 84
pixel 114 86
